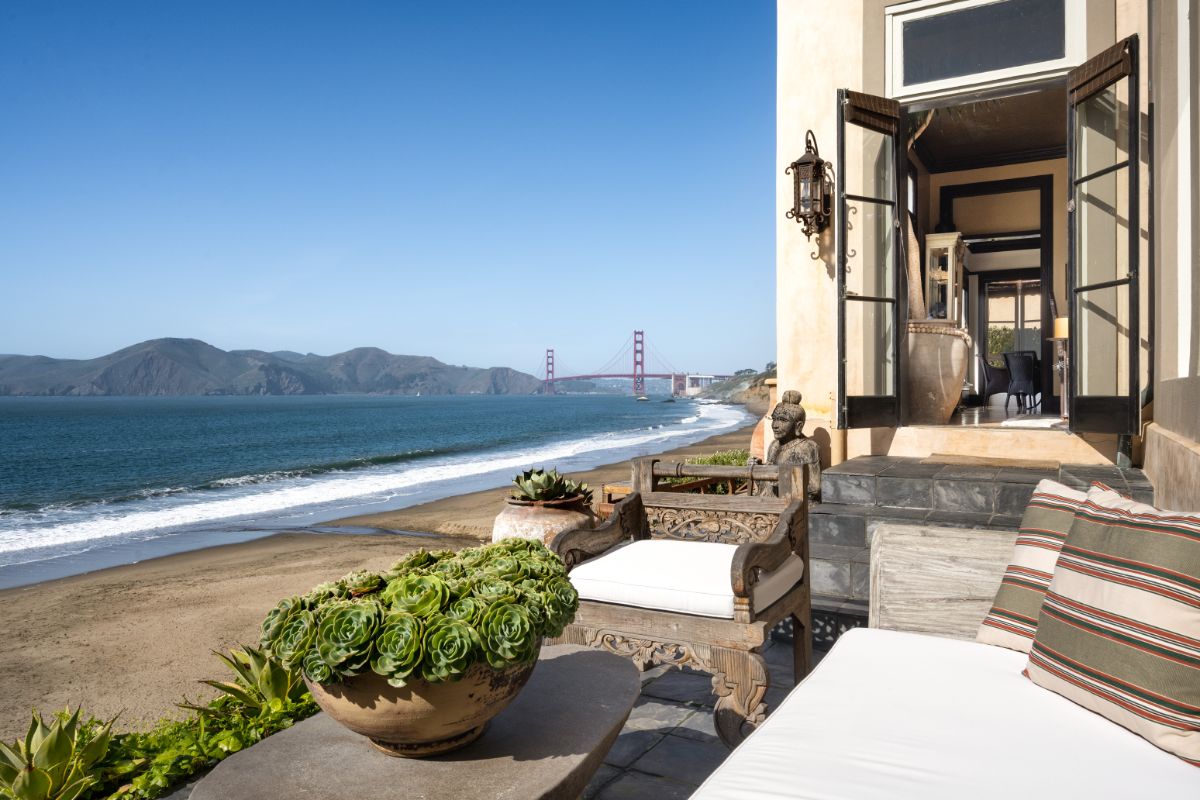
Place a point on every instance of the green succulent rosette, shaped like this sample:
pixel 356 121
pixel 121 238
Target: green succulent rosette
pixel 492 590
pixel 507 567
pixel 362 582
pixel 399 647
pixel 448 569
pixel 451 647
pixel 346 633
pixel 277 616
pixel 294 639
pixel 509 635
pixel 323 592
pixel 475 556
pixel 420 595
pixel 315 668
pixel 560 601
pixel 466 609
pixel 460 587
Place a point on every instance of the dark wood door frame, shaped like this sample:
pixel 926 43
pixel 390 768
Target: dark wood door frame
pixel 1044 185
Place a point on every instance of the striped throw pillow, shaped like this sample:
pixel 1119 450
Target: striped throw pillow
pixel 1119 632
pixel 1012 622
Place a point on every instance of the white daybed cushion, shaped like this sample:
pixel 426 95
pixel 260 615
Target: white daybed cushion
pixel 671 575
pixel 900 715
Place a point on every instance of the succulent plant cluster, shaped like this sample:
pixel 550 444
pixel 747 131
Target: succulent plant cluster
pixel 538 484
pixel 431 616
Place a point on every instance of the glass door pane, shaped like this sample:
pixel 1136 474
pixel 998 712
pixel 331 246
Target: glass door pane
pixel 1103 170
pixel 868 243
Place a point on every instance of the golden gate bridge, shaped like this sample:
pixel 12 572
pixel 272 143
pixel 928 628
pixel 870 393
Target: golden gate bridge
pixel 681 382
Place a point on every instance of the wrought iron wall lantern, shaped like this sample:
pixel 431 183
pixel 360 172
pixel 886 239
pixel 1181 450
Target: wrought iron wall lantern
pixel 813 203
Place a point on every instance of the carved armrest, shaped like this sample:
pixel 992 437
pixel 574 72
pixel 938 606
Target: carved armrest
pixel 628 521
pixel 754 558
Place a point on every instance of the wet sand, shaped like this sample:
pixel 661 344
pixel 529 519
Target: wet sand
pixel 135 639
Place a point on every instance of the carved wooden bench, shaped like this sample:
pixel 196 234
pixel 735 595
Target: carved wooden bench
pixel 698 580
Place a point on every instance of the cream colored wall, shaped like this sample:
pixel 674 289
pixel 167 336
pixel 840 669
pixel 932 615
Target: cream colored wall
pixel 1172 447
pixel 810 71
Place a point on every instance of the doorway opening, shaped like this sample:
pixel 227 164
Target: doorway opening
pixel 993 172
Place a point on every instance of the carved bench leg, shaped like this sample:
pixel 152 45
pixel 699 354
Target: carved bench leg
pixel 801 646
pixel 739 681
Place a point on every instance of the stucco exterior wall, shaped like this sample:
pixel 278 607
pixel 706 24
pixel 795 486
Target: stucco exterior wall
pixel 1172 454
pixel 820 46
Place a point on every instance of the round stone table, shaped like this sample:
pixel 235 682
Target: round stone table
pixel 546 744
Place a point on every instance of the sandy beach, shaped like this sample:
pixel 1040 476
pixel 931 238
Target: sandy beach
pixel 136 639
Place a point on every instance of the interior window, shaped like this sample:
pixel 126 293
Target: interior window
pixel 1014 318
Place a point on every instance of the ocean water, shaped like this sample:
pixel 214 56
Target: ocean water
pixel 93 482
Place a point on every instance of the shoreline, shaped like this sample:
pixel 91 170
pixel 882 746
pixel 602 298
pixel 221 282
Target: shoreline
pixel 471 514
pixel 135 639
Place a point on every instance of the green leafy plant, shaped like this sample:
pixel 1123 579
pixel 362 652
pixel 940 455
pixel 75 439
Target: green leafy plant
pixel 56 760
pixel 260 686
pixel 432 616
pixel 534 485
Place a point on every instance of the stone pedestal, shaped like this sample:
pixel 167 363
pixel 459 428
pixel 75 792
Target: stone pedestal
pixel 546 744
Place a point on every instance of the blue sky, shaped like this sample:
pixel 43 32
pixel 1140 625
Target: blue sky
pixel 472 181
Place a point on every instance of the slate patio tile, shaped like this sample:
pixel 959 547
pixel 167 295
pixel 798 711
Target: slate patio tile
pixel 651 714
pixel 968 471
pixel 681 687
pixel 904 492
pixel 638 786
pixel 685 760
pixel 602 778
pixel 631 745
pixel 700 727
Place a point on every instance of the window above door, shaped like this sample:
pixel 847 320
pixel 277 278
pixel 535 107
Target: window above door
pixel 939 47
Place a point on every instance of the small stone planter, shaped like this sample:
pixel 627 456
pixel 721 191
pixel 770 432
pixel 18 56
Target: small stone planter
pixel 541 519
pixel 421 718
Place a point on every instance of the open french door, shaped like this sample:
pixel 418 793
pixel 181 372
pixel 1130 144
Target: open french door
pixel 1104 245
pixel 868 248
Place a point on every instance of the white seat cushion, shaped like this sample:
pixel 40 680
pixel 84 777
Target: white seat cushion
pixel 670 575
pixel 899 715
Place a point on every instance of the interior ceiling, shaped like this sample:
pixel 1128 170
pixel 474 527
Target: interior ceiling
pixel 1009 130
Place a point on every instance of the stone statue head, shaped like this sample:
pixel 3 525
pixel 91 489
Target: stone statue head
pixel 787 420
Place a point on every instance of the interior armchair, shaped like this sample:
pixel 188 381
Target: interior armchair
pixel 698 580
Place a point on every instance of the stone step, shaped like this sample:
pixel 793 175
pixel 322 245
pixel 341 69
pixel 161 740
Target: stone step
pixel 911 483
pixel 854 526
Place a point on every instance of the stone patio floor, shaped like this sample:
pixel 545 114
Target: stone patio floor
pixel 669 745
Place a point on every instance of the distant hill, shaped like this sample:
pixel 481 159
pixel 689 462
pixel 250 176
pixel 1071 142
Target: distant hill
pixel 193 367
pixel 747 388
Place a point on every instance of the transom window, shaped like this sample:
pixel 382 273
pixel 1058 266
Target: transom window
pixel 941 46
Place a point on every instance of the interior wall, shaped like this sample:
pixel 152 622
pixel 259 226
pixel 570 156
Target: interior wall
pixel 999 213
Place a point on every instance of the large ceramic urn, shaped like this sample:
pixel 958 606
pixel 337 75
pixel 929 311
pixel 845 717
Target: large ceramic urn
pixel 938 355
pixel 541 519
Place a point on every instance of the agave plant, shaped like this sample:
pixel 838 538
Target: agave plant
pixel 261 684
pixel 55 761
pixel 540 485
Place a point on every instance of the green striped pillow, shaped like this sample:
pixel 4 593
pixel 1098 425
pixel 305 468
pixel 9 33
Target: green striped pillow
pixel 1119 632
pixel 1012 622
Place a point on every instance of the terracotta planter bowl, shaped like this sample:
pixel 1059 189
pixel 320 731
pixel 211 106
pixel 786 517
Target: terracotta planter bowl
pixel 541 519
pixel 421 718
